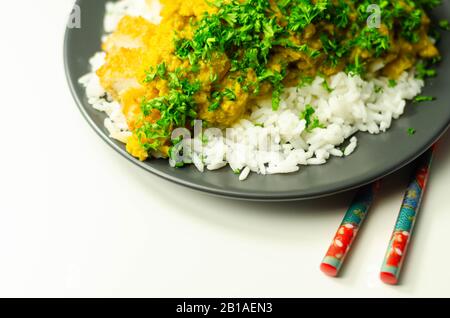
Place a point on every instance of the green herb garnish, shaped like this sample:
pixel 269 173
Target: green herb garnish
pixel 312 121
pixel 422 70
pixel 392 83
pixel 326 86
pixel 176 109
pixel 444 25
pixel 422 98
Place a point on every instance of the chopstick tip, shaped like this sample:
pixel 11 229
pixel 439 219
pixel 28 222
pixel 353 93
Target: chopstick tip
pixel 328 269
pixel 388 278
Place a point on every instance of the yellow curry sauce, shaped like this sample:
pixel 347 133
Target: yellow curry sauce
pixel 144 60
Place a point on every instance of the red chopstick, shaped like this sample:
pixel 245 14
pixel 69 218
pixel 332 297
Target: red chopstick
pixel 347 231
pixel 401 236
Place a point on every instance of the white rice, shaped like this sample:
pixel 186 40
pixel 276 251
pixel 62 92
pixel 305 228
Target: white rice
pixel 274 142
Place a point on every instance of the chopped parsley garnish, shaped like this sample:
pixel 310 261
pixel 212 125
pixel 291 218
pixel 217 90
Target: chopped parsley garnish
pixel 176 109
pixel 378 89
pixel 204 139
pixel 312 122
pixel 422 70
pixel 392 83
pixel 411 131
pixel 444 25
pixel 152 74
pixel 326 86
pixel 228 93
pixel 422 98
pixel 305 81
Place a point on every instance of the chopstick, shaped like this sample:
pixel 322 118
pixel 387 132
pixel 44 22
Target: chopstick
pixel 401 236
pixel 347 231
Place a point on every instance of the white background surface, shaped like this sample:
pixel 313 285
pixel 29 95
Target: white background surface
pixel 76 219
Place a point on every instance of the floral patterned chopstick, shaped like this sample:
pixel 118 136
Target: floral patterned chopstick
pixel 404 226
pixel 348 230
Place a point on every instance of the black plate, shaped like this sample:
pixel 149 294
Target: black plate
pixel 376 156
